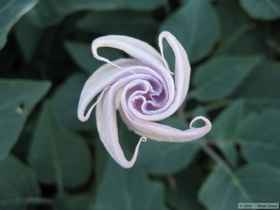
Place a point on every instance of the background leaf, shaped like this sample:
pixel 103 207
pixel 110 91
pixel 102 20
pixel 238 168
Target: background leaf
pixel 262 83
pixel 253 183
pixel 51 12
pixel 190 22
pixel 19 98
pixel 82 56
pixel 66 116
pixel 125 188
pixel 120 22
pixel 51 160
pixel 265 142
pixel 220 77
pixel 28 37
pixel 17 191
pixel 10 12
pixel 265 10
pixel 182 192
pixel 51 150
pixel 72 202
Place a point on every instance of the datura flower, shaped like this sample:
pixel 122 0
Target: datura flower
pixel 143 89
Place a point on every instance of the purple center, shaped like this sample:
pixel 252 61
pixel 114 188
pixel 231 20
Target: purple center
pixel 147 97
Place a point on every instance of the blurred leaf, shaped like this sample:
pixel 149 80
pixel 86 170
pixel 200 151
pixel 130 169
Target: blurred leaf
pixel 220 77
pixel 81 55
pixel 259 104
pixel 264 10
pixel 137 24
pixel 225 125
pixel 239 34
pixel 246 40
pixel 19 97
pixel 252 183
pixel 166 158
pixel 52 153
pixel 73 202
pixel 28 37
pixel 66 99
pixel 183 189
pixel 231 17
pixel 123 189
pixel 225 128
pixel 10 12
pixel 190 24
pixel 51 12
pixel 18 185
pixel 254 128
pixel 262 83
pixel 259 134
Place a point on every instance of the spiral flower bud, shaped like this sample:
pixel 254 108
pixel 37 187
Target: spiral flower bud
pixel 143 89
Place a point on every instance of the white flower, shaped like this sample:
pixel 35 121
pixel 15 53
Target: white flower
pixel 143 89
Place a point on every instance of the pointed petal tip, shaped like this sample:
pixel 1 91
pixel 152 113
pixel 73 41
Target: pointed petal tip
pixel 82 116
pixel 129 164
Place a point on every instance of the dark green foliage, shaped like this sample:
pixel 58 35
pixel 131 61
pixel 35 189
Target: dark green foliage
pixel 50 160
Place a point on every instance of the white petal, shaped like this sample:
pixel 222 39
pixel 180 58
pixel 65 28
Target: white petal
pixel 98 81
pixel 108 131
pixel 136 48
pixel 182 67
pixel 165 133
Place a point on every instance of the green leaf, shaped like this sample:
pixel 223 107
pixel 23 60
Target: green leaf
pixel 128 190
pixel 259 134
pixel 73 202
pixel 231 17
pixel 81 55
pixel 246 40
pixel 252 183
pixel 225 125
pixel 18 185
pixel 66 99
pixel 262 83
pixel 10 12
pixel 184 186
pixel 19 97
pixel 166 158
pixel 28 37
pixel 251 124
pixel 263 10
pixel 225 128
pixel 133 23
pixel 240 36
pixel 57 154
pixel 51 12
pixel 191 23
pixel 221 76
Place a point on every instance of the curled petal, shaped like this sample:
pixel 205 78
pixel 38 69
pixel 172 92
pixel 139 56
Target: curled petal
pixel 164 133
pixel 182 66
pixel 106 121
pixel 108 132
pixel 102 78
pixel 135 48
